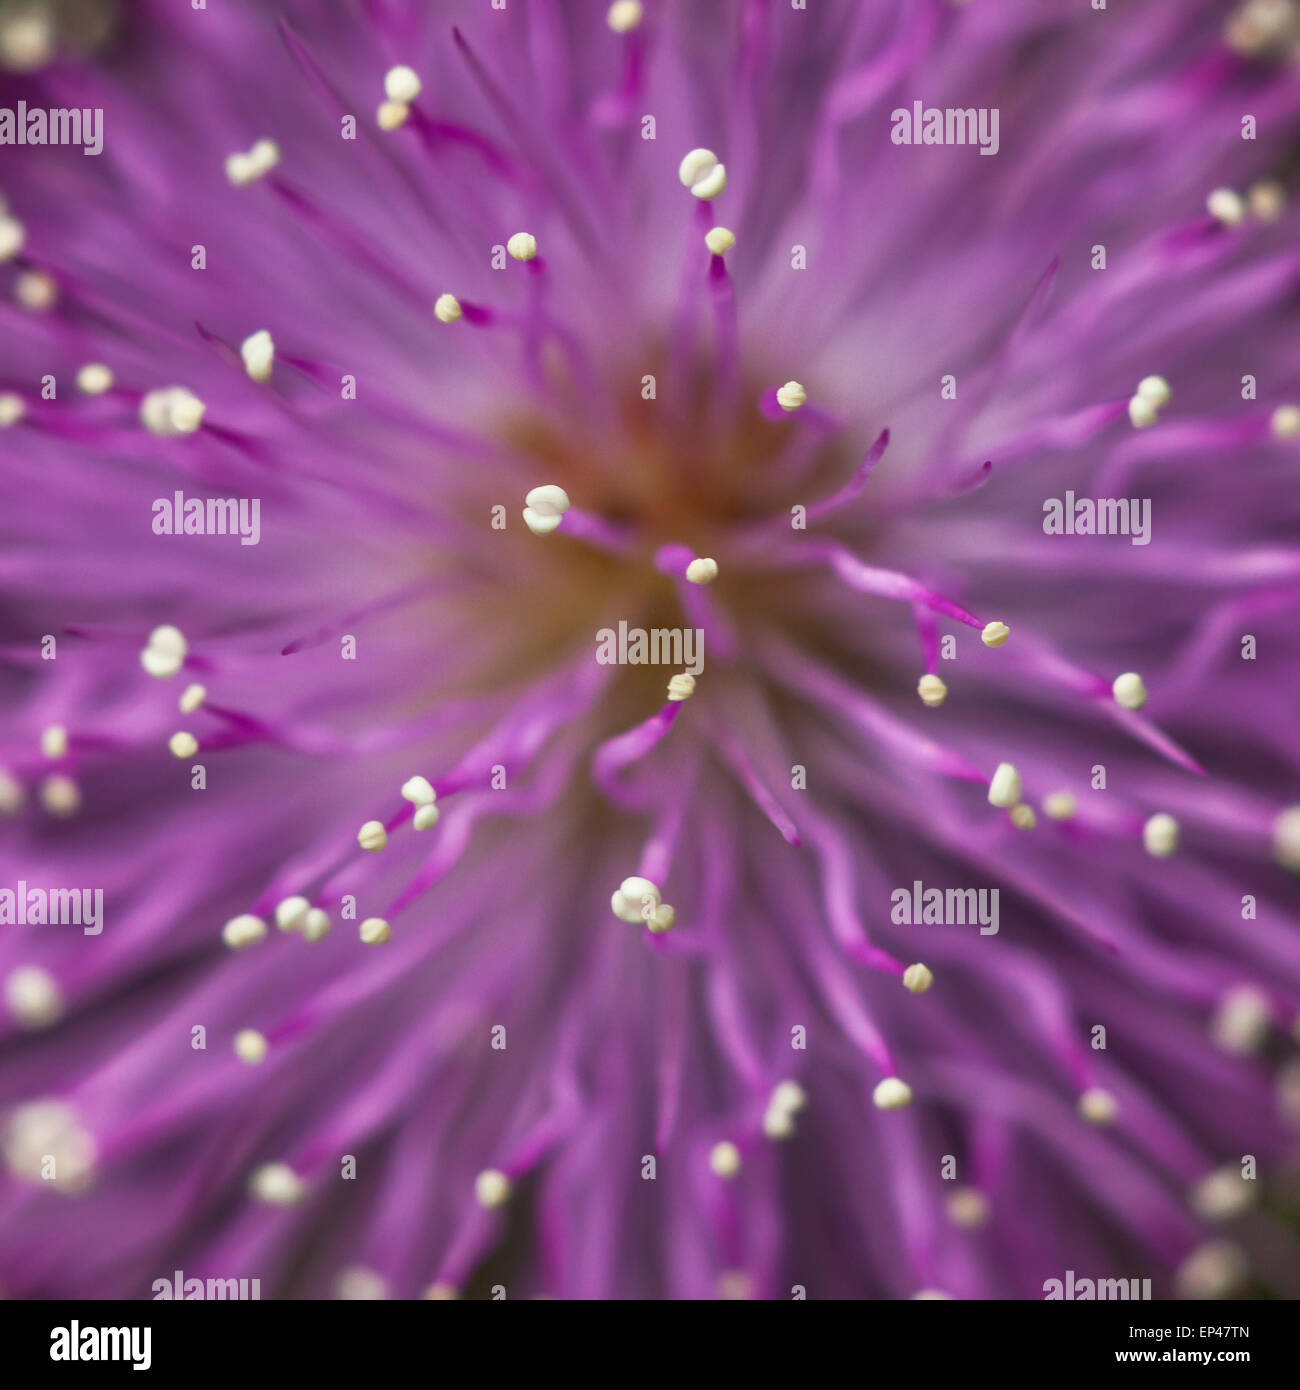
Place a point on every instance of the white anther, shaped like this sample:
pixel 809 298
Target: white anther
pixel 392 115
pixel 12 236
pixel 60 795
pixel 94 379
pixel 624 15
pixel 701 172
pixel 1130 690
pixel 1004 789
pixel 791 396
pixel 316 925
pixel 291 913
pixel 918 978
pixel 544 508
pixel 1097 1106
pixel 244 930
pixel 37 291
pixel 12 409
pixel 171 411
pixel 441 1293
pixel 33 997
pixel 778 1123
pixel 28 38
pixel 277 1184
pixel 1060 806
pixel 891 1094
pixel 492 1188
pixel 1266 200
pixel 1221 1195
pixel 630 897
pixel 419 791
pixel 402 84
pixel 719 240
pixel 661 919
pixel 1216 1270
pixel 681 686
pixel 165 653
pixel 258 352
pixel 357 1284
pixel 932 689
pixel 724 1159
pixel 426 817
pixel 1156 390
pixel 43 1129
pixel 1160 835
pixel 1141 413
pixel 247 168
pixel 192 698
pixel 1241 1022
pixel 968 1208
pixel 1286 838
pixel 702 570
pixel 183 744
pixel 1226 206
pixel 250 1046
pixel 522 246
pixel 447 308
pixel 12 794
pixel 375 931
pixel 995 634
pixel 1022 816
pixel 54 741
pixel 372 836
pixel 788 1095
pixel 1285 422
pixel 931 1296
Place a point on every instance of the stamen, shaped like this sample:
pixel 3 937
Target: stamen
pixel 441 1293
pixel 1023 817
pixel 1097 1106
pixel 447 308
pixel 12 794
pixel 402 84
pixel 246 168
pixel 932 690
pixel 492 1188
pixel 12 236
pixel 1060 806
pixel 277 1184
pixel 791 396
pixel 544 508
pixel 1285 422
pixel 522 246
pixel 1286 839
pixel 171 411
pixel 33 997
pixel 724 1159
pixel 94 379
pixel 624 15
pixel 1240 1024
pixel 1160 835
pixel 244 930
pixel 192 698
pixel 918 978
pixel 60 795
pixel 183 745
pixel 36 291
pixel 1004 789
pixel 968 1208
pixel 54 741
pixel 12 409
pixel 1130 690
pixel 372 836
pixel 891 1094
pixel 1266 200
pixel 291 913
pixel 632 899
pixel 681 686
pixel 1216 1270
pixel 166 652
pixel 701 172
pixel 316 925
pixel 1156 390
pixel 995 634
pixel 375 931
pixel 1226 206
pixel 419 791
pixel 702 571
pixel 250 1046
pixel 426 817
pixel 258 353
pixel 1221 1195
pixel 719 240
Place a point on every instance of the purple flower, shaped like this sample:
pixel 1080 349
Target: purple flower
pixel 817 481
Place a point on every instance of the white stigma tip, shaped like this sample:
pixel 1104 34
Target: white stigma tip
pixel 245 168
pixel 426 817
pixel 995 634
pixel 702 570
pixel 1004 789
pixel 192 698
pixel 291 913
pixel 372 836
pixel 544 508
pixel 724 1159
pixel 250 1047
pixel 1226 206
pixel 258 352
pixel 402 84
pixel 183 744
pixel 1160 835
pixel 419 791
pixel 375 931
pixel 1098 1106
pixel 1023 817
pixel 719 240
pixel 1286 839
pixel 891 1094
pixel 244 930
pixel 624 15
pixel 701 172
pixel 932 690
pixel 12 409
pixel 94 379
pixel 1285 422
pixel 1130 690
pixel 447 308
pixel 54 741
pixel 171 411
pixel 791 396
pixel 522 246
pixel 1060 806
pixel 277 1185
pixel 12 236
pixel 492 1188
pixel 32 997
pixel 918 978
pixel 1156 390
pixel 681 686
